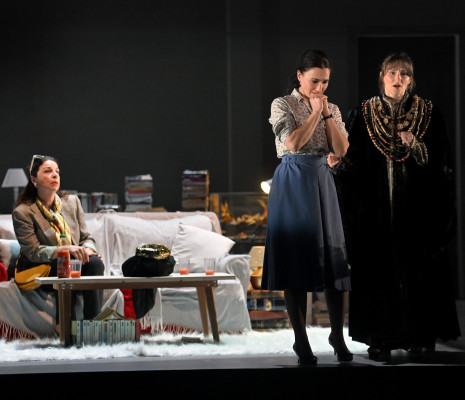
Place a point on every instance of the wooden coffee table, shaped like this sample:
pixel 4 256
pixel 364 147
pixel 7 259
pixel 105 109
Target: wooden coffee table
pixel 203 283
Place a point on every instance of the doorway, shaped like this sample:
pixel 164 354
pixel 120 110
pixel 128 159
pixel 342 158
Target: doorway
pixel 436 71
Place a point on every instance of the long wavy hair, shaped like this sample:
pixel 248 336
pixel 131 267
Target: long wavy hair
pixel 29 194
pixel 308 59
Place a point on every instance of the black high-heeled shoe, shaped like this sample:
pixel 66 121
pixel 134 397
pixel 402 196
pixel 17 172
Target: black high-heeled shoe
pixel 346 356
pixel 307 360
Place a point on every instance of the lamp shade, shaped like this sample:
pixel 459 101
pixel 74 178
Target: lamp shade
pixel 266 186
pixel 256 256
pixel 15 177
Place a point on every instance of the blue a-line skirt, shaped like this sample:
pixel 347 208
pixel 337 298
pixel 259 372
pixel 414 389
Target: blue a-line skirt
pixel 305 246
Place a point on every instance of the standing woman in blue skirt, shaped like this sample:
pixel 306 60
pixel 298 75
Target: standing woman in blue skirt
pixel 305 246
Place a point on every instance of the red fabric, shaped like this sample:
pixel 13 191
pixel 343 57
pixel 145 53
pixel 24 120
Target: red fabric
pixel 129 307
pixel 3 273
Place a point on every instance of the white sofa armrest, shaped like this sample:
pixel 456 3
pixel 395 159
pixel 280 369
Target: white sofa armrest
pixel 239 265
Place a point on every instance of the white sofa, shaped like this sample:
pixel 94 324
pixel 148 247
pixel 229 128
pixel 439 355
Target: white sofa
pixel 117 235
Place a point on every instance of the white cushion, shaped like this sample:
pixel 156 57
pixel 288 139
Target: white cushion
pixel 9 251
pixel 197 244
pixel 6 227
pixel 128 233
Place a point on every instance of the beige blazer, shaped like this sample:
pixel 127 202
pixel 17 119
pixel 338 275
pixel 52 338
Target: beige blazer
pixel 37 238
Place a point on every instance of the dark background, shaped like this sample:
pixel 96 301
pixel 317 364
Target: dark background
pixel 128 87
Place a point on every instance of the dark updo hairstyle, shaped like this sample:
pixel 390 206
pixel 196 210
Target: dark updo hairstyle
pixel 29 194
pixel 309 59
pixel 397 60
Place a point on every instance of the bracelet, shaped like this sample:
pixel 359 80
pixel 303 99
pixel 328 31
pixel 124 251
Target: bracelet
pixel 328 116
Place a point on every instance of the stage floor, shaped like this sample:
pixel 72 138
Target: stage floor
pixel 441 372
pixel 449 354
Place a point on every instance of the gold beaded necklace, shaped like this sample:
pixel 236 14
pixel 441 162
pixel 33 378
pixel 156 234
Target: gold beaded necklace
pixel 383 126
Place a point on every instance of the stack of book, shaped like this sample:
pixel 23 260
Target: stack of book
pixel 109 327
pixel 195 190
pixel 320 314
pixel 267 309
pixel 320 311
pixel 138 192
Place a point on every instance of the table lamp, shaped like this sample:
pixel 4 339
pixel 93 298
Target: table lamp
pixel 266 186
pixel 256 256
pixel 256 264
pixel 15 178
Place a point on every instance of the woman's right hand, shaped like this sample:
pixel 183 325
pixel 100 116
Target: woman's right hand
pixel 317 102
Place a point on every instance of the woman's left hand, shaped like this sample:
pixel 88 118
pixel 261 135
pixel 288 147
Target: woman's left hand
pixel 406 137
pixel 91 252
pixel 79 253
pixel 332 160
pixel 326 110
pixel 82 253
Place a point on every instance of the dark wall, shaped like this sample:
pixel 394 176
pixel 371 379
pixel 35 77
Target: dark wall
pixel 115 88
pixel 123 87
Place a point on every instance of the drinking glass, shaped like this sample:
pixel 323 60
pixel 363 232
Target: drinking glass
pixel 75 267
pixel 210 266
pixel 184 264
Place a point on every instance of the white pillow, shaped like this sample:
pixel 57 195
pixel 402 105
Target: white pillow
pixel 197 244
pixel 6 227
pixel 9 251
pixel 128 233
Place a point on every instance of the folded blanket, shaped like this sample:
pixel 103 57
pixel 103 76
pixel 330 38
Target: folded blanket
pixel 31 313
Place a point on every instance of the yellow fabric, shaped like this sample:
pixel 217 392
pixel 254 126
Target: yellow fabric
pixel 55 218
pixel 25 279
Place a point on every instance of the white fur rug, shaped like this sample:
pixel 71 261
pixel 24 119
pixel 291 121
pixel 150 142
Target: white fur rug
pixel 172 345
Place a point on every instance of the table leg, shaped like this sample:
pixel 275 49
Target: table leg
pixel 64 305
pixel 203 310
pixel 212 313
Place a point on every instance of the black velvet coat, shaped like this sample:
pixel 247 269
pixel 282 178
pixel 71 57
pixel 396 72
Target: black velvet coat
pixel 402 294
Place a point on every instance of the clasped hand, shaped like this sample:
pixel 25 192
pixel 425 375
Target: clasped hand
pixel 79 252
pixel 406 137
pixel 319 103
pixel 332 160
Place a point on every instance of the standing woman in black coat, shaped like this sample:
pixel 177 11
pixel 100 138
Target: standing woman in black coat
pixel 398 203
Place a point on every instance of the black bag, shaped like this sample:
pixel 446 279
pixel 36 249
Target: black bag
pixel 147 267
pixel 150 260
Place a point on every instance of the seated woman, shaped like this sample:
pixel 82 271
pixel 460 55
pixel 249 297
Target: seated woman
pixel 41 215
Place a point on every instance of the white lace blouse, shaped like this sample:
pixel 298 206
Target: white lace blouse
pixel 289 113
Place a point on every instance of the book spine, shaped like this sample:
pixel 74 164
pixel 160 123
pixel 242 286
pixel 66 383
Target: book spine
pixel 265 293
pixel 117 325
pixel 267 304
pixel 271 324
pixel 105 332
pixel 98 332
pixel 133 330
pixel 85 335
pixel 263 314
pixel 78 333
pixel 111 331
pixel 73 332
